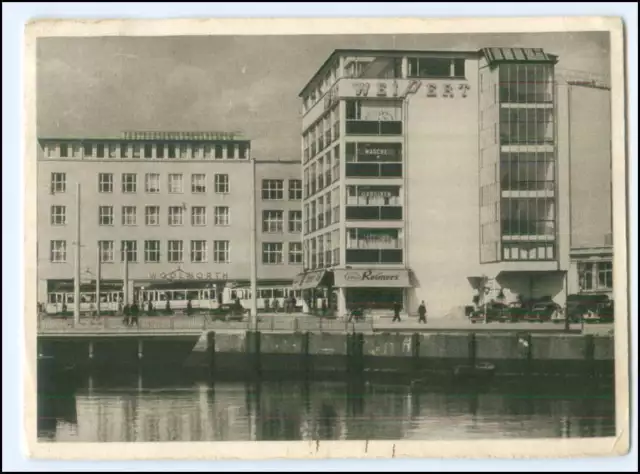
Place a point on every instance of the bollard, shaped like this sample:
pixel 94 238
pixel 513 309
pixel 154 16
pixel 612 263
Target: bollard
pixel 295 325
pixel 211 351
pixel 272 323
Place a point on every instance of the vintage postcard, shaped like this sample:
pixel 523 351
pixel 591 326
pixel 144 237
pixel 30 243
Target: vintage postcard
pixel 307 238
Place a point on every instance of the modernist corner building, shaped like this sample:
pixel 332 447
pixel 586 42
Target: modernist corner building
pixel 441 175
pixel 168 215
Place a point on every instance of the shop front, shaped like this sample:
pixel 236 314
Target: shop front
pixel 316 287
pixel 375 289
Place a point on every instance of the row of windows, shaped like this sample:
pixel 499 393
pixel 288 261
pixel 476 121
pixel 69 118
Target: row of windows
pixel 126 150
pixel 323 211
pixel 129 183
pixel 272 220
pixel 272 189
pixel 322 172
pixel 272 252
pixel 322 251
pixel 321 134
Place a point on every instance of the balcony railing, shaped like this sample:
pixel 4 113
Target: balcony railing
pixel 356 256
pixel 380 213
pixel 373 170
pixel 373 127
pixel 508 185
pixel 512 227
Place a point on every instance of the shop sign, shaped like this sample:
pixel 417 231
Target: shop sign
pixel 372 278
pixel 180 274
pixel 393 89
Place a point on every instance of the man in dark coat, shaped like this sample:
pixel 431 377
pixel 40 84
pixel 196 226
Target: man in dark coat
pixel 396 312
pixel 422 313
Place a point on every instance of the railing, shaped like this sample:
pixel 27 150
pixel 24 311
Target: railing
pixel 373 127
pixel 374 256
pixel 374 170
pixel 374 213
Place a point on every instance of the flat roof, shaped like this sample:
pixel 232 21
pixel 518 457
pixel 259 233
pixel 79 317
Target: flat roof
pixel 391 52
pixel 159 136
pixel 493 54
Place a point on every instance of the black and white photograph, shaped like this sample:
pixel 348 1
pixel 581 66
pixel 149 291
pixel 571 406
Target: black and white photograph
pixel 321 237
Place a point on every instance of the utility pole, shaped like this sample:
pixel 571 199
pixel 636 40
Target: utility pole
pixel 76 279
pixel 254 249
pixel 98 276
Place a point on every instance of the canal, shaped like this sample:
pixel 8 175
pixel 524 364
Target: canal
pixel 151 407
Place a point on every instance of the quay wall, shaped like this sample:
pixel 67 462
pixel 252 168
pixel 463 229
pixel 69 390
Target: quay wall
pixel 335 354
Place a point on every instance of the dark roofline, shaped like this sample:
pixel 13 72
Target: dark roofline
pixel 395 52
pixel 120 139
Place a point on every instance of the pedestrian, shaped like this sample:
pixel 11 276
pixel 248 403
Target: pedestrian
pixel 135 312
pixel 276 305
pixel 149 308
pixel 324 308
pixel 189 308
pixel 293 304
pixel 126 311
pixel 422 313
pixel 64 311
pixel 396 312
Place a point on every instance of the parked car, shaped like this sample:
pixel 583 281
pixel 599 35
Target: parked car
pixel 589 307
pixel 228 312
pixel 542 312
pixel 495 311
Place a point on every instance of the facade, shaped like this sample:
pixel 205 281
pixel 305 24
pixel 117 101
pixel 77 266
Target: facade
pixel 440 176
pixel 584 106
pixel 168 214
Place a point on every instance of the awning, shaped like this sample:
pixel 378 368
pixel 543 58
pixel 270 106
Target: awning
pixel 304 281
pixel 372 278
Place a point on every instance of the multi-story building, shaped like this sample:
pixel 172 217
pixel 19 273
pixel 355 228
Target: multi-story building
pixel 169 216
pixel 584 111
pixel 435 176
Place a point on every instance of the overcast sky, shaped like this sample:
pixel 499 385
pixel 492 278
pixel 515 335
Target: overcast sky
pixel 101 86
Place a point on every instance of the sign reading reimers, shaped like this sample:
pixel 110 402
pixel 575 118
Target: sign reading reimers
pixel 372 278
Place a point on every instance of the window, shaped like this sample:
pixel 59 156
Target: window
pixel 595 276
pixel 185 151
pixel 58 251
pixel 231 151
pixel 221 215
pixel 272 221
pixel 100 150
pixel 106 251
pixel 175 183
pixel 152 215
pixel 295 253
pixel 152 183
pixel 160 150
pixel 129 182
pixel 295 221
pixel 58 215
pixel 148 151
pixel 105 215
pixel 605 275
pixel 221 182
pixel 295 189
pixel 88 150
pixel 272 189
pixel 124 150
pixel 171 151
pixel 135 147
pixel 175 251
pixel 58 182
pixel 198 215
pixel 198 183
pixel 105 182
pixel 221 251
pixel 198 251
pixel 129 215
pixel 436 67
pixel 64 150
pixel 129 250
pixel 242 152
pixel 152 251
pixel 175 215
pixel 113 153
pixel 272 253
pixel 218 152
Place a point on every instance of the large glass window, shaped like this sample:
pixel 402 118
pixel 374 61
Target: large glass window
pixel 374 246
pixel 436 67
pixel 272 221
pixel 528 171
pixel 373 152
pixel 526 83
pixel 526 126
pixel 272 189
pixel 373 117
pixel 272 253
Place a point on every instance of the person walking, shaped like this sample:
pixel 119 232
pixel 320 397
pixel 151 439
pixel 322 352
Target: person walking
pixel 396 312
pixel 422 313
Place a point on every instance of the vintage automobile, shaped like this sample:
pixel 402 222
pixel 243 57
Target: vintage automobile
pixel 590 308
pixel 542 312
pixel 495 311
pixel 228 312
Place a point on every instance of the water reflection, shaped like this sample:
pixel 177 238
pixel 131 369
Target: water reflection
pixel 137 408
